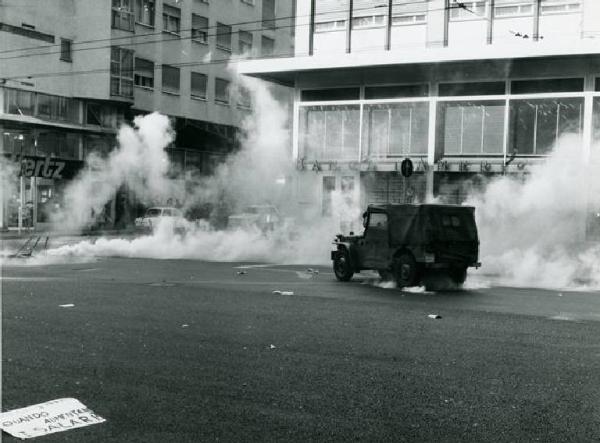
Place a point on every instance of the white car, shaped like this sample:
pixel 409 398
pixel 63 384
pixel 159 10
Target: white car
pixel 156 215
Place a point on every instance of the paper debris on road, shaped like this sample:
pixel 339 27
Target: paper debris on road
pixel 53 416
pixel 283 292
pixel 434 316
pixel 272 347
pixel 68 305
pixel 184 325
pixel 242 272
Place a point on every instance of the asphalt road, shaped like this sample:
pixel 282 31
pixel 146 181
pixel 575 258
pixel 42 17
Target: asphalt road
pixel 186 351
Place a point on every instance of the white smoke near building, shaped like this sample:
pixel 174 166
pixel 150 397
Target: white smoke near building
pixel 9 183
pixel 533 228
pixel 260 173
pixel 140 162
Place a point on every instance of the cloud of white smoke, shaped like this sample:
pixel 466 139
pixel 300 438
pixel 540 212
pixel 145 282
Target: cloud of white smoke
pixel 140 161
pixel 533 229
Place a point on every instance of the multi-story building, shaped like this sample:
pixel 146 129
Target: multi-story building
pixel 464 89
pixel 72 70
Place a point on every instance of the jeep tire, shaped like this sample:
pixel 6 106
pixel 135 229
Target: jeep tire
pixel 458 274
pixel 405 270
pixel 342 267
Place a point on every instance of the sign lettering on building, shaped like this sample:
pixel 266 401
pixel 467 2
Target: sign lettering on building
pixel 47 167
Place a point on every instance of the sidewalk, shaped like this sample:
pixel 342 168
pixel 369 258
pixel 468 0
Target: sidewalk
pixel 26 233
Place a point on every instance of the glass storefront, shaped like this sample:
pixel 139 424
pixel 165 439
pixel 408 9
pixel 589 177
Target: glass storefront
pixel 471 127
pixel 397 129
pixel 536 124
pixel 329 132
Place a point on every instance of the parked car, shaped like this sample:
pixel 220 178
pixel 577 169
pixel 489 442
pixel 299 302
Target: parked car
pixel 156 215
pixel 408 242
pixel 264 217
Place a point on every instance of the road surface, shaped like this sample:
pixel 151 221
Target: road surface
pixel 187 351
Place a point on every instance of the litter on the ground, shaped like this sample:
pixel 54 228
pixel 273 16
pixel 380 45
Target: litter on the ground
pixel 185 326
pixel 272 347
pixel 312 271
pixel 283 292
pixel 242 272
pixel 68 305
pixel 434 316
pixel 46 418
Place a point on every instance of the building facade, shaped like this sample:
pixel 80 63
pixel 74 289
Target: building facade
pixel 73 70
pixel 465 90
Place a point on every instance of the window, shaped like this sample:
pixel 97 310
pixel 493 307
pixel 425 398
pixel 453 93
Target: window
pixel 65 50
pixel 245 42
pixel 170 79
pixel 26 32
pixel 471 127
pixel 244 99
pixel 98 114
pixel 536 124
pixel 17 142
pixel 223 37
pixel 54 107
pixel 144 12
pixel 409 19
pixel 396 129
pixel 171 19
pixel 396 91
pixel 468 10
pixel 409 12
pixel 199 28
pixel 122 15
pixel 317 95
pixel 267 46
pixel 560 6
pixel 513 8
pixel 144 73
pixel 335 25
pixel 329 132
pixel 121 72
pixel 198 86
pixel 547 85
pixel 378 220
pixel 222 90
pixel 471 88
pixel 18 102
pixel 58 144
pixel 369 21
pixel 268 13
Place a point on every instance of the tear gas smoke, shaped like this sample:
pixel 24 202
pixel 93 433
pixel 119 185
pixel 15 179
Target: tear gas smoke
pixel 532 230
pixel 258 173
pixel 140 162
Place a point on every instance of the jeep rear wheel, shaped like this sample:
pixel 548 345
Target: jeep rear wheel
pixel 458 274
pixel 405 270
pixel 342 268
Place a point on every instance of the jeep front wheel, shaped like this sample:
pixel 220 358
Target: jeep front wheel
pixel 405 270
pixel 342 267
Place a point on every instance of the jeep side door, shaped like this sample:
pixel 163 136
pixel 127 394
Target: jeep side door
pixel 375 248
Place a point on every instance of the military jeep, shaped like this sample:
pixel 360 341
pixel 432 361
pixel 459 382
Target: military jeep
pixel 406 243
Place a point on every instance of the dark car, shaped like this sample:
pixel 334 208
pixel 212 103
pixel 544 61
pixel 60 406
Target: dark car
pixel 407 242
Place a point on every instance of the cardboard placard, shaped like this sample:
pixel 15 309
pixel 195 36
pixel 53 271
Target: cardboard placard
pixel 53 416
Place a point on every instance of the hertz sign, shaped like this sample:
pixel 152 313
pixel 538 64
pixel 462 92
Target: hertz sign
pixel 47 167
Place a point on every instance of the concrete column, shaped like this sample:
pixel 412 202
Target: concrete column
pixel 591 18
pixel 433 93
pixel 436 23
